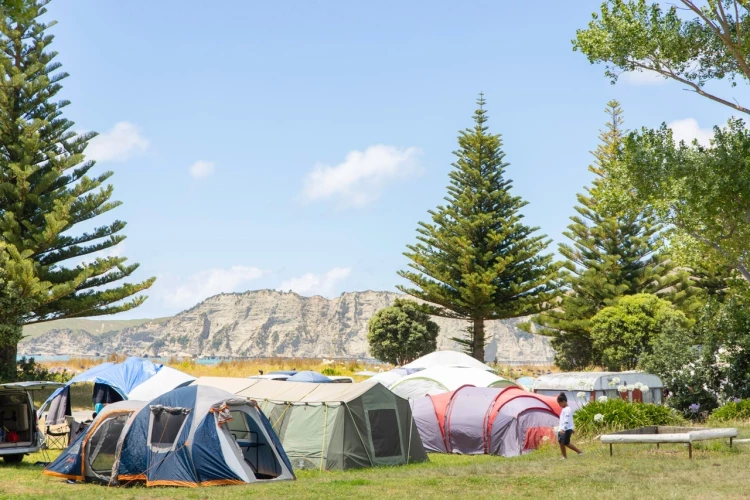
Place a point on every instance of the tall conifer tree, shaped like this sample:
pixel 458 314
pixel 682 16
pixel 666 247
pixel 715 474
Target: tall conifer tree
pixel 476 261
pixel 612 254
pixel 45 191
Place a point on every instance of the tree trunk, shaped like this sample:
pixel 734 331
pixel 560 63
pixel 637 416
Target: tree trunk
pixel 477 339
pixel 10 335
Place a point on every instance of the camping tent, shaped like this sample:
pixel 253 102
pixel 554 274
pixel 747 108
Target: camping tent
pixel 191 436
pixel 447 358
pixel 440 379
pixel 309 376
pixel 392 376
pixel 91 455
pixel 484 420
pixel 112 383
pixel 334 426
pixel 165 380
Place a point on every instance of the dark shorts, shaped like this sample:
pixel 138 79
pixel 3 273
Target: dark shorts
pixel 564 437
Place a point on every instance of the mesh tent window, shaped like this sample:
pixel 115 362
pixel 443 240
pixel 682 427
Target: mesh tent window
pixel 166 424
pixel 102 445
pixel 385 433
pixel 238 427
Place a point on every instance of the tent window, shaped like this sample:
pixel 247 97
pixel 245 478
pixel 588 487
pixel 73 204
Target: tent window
pixel 238 426
pixel 256 450
pixel 103 444
pixel 166 427
pixel 385 433
pixel 105 394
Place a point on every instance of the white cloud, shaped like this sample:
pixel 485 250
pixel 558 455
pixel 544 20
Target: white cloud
pixel 688 129
pixel 201 169
pixel 360 178
pixel 642 78
pixel 317 284
pixel 210 282
pixel 117 144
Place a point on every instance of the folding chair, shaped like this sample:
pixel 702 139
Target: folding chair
pixel 56 437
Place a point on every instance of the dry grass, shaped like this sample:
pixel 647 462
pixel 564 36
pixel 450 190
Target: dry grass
pixel 249 367
pixel 513 372
pixel 235 368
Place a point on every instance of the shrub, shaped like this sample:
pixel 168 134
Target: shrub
pixel 330 372
pixel 680 367
pixel 30 371
pixel 623 332
pixel 402 332
pixel 616 414
pixel 710 365
pixel 733 410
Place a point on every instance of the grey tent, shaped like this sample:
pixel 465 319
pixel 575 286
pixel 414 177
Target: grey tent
pixel 334 426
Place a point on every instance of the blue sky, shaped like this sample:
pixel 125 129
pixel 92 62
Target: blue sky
pixel 295 145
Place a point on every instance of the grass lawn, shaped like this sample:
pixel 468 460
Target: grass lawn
pixel 635 471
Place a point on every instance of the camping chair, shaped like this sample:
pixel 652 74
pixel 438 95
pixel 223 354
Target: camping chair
pixel 252 443
pixel 56 437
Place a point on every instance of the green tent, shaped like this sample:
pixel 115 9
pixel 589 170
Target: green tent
pixel 334 426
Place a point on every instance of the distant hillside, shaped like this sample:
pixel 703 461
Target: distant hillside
pixel 269 323
pixel 91 326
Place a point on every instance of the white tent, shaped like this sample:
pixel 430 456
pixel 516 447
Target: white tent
pixel 447 358
pixel 392 376
pixel 439 379
pixel 165 380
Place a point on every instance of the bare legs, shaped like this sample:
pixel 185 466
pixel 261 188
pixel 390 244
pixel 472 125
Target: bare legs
pixel 565 452
pixel 572 447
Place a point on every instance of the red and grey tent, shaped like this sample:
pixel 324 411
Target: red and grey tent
pixel 503 421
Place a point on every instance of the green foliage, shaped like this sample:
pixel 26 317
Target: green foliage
pixel 29 371
pixel 726 349
pixel 332 372
pixel 623 332
pixel 613 253
pixel 731 411
pixel 708 366
pixel 45 191
pixel 620 415
pixel 476 261
pixel 402 332
pixel 694 44
pixel 703 191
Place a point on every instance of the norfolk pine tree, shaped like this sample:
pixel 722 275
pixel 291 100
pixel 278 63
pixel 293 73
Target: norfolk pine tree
pixel 613 253
pixel 44 192
pixel 476 261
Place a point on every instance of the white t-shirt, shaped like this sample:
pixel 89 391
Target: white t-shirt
pixel 566 419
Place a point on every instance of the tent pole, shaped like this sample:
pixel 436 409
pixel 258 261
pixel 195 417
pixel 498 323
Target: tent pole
pixel 411 423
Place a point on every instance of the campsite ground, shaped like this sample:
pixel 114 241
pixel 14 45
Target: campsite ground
pixel 635 471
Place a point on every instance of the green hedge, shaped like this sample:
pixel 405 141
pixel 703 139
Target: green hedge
pixel 618 414
pixel 734 410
